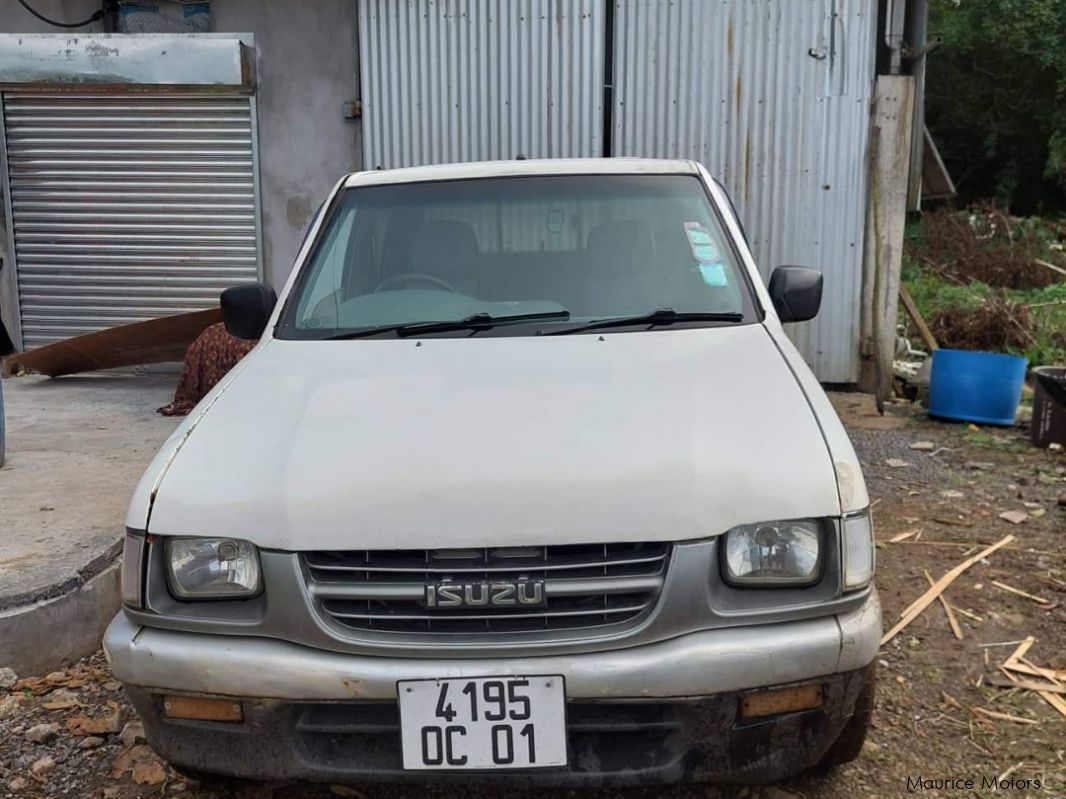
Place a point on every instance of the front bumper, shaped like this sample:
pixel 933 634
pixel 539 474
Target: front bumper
pixel 662 712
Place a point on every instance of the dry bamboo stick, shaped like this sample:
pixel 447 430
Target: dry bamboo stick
pixel 938 587
pixel 1020 592
pixel 947 609
pixel 1028 685
pixel 1013 664
pixel 992 714
pixel 922 602
pixel 904 536
pixel 1047 674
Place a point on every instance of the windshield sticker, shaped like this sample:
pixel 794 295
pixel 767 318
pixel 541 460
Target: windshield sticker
pixel 714 275
pixel 705 251
pixel 555 221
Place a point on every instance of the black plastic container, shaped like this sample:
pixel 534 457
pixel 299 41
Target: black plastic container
pixel 1049 406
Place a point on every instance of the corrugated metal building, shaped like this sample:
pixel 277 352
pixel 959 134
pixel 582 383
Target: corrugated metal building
pixel 774 96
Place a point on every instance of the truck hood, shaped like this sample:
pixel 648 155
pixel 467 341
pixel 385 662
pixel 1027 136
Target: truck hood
pixel 460 442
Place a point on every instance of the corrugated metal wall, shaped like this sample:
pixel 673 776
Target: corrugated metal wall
pixel 126 207
pixel 773 97
pixel 468 80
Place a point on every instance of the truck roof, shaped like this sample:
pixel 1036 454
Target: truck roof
pixel 540 166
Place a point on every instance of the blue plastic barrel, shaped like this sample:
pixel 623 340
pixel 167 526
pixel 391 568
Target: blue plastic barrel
pixel 982 387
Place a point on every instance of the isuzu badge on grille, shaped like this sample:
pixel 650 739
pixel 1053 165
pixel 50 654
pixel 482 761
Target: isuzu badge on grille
pixel 499 593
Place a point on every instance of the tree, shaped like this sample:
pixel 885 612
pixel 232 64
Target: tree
pixel 996 99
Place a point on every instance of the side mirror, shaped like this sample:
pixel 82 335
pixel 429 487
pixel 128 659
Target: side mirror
pixel 796 292
pixel 246 309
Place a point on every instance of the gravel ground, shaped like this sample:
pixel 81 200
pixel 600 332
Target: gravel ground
pixel 71 734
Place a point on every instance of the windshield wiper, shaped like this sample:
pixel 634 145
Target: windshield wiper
pixel 660 316
pixel 478 321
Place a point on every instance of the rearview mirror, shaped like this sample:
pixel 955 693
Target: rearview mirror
pixel 246 309
pixel 796 292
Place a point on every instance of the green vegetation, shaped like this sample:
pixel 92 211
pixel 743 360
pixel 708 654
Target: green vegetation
pixel 996 99
pixel 935 296
pixel 972 314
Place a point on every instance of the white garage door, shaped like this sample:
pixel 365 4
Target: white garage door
pixel 126 207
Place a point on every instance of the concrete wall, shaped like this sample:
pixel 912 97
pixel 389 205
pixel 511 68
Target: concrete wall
pixel 307 68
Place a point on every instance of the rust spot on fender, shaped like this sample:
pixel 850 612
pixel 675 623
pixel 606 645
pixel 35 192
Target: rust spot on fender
pixel 355 686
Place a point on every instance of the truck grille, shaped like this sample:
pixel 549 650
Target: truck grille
pixel 583 586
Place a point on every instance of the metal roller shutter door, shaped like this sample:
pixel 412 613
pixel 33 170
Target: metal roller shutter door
pixel 126 207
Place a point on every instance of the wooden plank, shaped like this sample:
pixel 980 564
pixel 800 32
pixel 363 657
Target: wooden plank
pixel 920 604
pixel 1022 649
pixel 950 577
pixel 1012 664
pixel 1019 592
pixel 967 613
pixel 155 341
pixel 904 536
pixel 1028 685
pixel 916 316
pixel 1054 701
pixel 1047 674
pixel 1003 716
pixel 1018 668
pixel 947 609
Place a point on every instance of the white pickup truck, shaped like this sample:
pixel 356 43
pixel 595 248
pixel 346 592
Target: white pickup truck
pixel 523 482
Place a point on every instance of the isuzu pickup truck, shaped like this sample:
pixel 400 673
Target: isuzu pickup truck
pixel 524 482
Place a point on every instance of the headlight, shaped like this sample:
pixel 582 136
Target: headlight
pixel 858 551
pixel 774 553
pixel 212 568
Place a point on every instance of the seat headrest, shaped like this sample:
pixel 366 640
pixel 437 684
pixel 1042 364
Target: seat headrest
pixel 622 243
pixel 444 241
pixel 627 239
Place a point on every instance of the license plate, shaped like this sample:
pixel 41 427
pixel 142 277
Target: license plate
pixel 483 723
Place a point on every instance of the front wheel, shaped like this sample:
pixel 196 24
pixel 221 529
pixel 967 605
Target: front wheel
pixel 848 744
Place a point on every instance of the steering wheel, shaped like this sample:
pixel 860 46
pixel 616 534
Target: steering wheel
pixel 407 277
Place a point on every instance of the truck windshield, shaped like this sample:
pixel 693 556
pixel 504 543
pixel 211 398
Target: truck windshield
pixel 519 256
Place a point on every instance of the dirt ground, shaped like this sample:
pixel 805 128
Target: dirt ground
pixel 932 687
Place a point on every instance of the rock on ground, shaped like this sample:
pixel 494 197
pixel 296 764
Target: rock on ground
pixel 42 733
pixel 132 733
pixel 46 765
pixel 8 678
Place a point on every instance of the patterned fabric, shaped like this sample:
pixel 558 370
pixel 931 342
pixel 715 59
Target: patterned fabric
pixel 207 360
